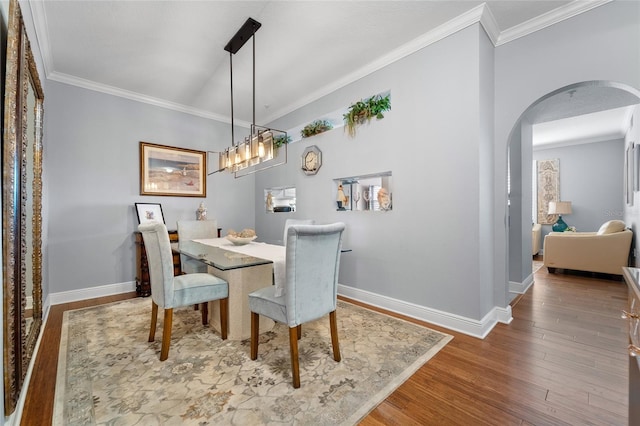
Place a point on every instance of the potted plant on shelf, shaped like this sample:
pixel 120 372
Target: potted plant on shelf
pixel 315 128
pixel 278 141
pixel 363 111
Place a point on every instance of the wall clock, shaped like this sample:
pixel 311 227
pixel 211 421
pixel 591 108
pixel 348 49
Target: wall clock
pixel 311 160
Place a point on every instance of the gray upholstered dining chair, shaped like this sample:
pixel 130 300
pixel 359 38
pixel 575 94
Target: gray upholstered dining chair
pixel 311 288
pixel 169 292
pixel 191 230
pixel 290 222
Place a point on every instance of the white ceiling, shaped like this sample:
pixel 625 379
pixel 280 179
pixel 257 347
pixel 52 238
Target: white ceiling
pixel 608 125
pixel 171 53
pixel 582 113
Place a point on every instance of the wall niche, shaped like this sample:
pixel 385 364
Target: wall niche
pixel 372 192
pixel 280 199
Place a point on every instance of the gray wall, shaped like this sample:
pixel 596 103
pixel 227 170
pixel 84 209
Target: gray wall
pixel 414 252
pixel 519 208
pixel 579 49
pixel 92 170
pixel 591 177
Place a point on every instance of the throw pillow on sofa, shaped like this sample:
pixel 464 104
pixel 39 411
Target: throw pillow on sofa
pixel 611 227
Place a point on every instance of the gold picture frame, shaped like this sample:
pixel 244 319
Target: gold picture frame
pixel 21 208
pixel 167 170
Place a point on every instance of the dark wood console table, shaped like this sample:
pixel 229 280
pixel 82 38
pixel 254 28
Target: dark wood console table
pixel 143 284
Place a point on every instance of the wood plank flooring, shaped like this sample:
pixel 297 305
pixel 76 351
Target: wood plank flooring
pixel 562 360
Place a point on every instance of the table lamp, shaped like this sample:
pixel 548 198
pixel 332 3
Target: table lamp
pixel 559 208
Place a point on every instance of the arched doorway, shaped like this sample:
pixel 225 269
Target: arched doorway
pixel 569 101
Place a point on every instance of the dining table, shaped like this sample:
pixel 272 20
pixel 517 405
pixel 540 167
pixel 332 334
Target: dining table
pixel 246 268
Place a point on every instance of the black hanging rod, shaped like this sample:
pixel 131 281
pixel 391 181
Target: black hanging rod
pixel 243 35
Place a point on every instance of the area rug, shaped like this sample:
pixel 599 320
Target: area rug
pixel 109 374
pixel 536 265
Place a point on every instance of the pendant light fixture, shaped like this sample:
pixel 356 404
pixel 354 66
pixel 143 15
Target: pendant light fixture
pixel 257 151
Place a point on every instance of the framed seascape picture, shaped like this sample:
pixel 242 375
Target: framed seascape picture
pixel 149 212
pixel 166 170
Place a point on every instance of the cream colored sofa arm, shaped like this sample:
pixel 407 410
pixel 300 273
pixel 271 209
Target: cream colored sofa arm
pixel 587 251
pixel 536 238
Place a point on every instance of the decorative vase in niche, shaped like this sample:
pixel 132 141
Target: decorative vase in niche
pixel 384 199
pixel 201 213
pixel 269 201
pixel 341 199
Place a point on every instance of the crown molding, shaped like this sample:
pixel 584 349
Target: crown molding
pixel 134 96
pixel 488 22
pixel 42 32
pixel 479 14
pixel 445 30
pixel 550 18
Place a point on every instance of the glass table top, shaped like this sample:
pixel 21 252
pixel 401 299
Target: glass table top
pixel 218 257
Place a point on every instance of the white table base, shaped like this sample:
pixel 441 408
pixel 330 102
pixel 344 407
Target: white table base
pixel 242 281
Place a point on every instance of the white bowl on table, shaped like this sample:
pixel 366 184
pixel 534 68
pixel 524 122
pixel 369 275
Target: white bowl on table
pixel 240 241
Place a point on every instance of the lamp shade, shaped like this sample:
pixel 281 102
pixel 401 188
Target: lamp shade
pixel 560 207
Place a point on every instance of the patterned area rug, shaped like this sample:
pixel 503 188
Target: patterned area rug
pixel 109 374
pixel 537 264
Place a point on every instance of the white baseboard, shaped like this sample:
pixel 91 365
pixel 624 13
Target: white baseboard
pixel 475 328
pixel 521 288
pixel 472 327
pixel 92 292
pixel 16 417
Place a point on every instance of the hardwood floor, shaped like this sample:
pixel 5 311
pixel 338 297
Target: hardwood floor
pixel 562 360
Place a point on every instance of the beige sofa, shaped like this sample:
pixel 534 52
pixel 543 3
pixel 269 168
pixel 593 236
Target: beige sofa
pixel 536 237
pixel 605 251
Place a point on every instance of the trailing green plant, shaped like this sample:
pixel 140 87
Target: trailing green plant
pixel 278 141
pixel 315 128
pixel 363 111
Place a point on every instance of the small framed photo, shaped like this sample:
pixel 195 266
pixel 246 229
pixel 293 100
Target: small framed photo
pixel 149 212
pixel 167 170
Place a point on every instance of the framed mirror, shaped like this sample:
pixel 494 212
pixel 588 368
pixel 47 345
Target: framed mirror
pixel 22 207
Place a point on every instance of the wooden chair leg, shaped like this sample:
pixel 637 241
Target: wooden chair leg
pixel 295 366
pixel 224 317
pixel 299 331
pixel 166 334
pixel 255 325
pixel 205 313
pixel 333 323
pixel 154 320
